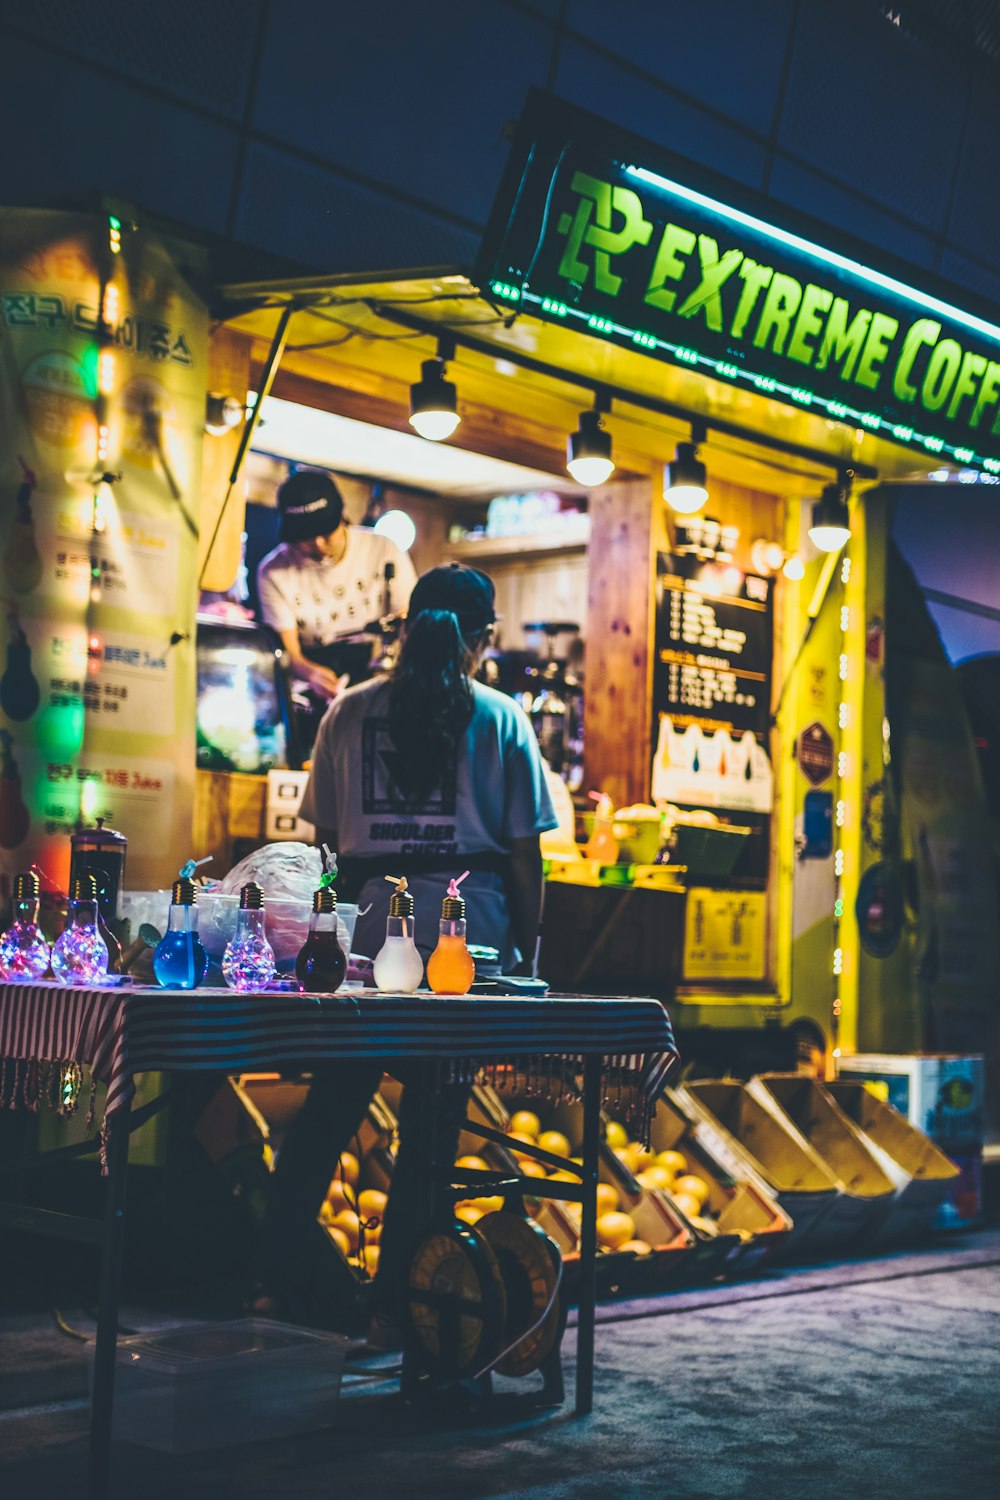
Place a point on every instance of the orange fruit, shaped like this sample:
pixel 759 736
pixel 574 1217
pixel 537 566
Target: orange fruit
pixel 688 1205
pixel 674 1161
pixel 531 1168
pixel 643 1157
pixel 607 1198
pixel 554 1142
pixel 615 1229
pixel 616 1135
pixel 655 1177
pixel 697 1187
pixel 370 1258
pixel 474 1163
pixel 347 1222
pixel 525 1123
pixel 371 1204
pixel 339 1196
pixel 347 1168
pixel 637 1247
pixel 525 1140
pixel 339 1238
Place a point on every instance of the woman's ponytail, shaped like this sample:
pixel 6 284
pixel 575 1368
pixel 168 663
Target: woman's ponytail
pixel 430 701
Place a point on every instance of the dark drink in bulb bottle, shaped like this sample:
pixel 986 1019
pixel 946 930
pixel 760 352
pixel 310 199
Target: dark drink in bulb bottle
pixel 322 962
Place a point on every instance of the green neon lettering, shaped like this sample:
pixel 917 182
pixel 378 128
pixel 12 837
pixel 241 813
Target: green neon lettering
pixel 755 278
pixel 668 266
pixel 599 200
pixel 706 296
pixel 923 331
pixel 815 300
pixel 989 392
pixel 941 373
pixel 780 306
pixel 973 366
pixel 843 341
pixel 880 336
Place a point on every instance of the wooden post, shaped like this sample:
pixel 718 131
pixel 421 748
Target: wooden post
pixel 627 528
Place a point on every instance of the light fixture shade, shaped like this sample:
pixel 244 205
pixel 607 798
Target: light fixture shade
pixel 588 452
pixel 830 528
pixel 222 413
pixel 433 403
pixel 684 487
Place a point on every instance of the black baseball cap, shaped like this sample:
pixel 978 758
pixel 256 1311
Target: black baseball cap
pixel 310 505
pixel 467 592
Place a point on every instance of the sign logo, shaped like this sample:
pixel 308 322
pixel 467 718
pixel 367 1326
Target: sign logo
pixel 815 753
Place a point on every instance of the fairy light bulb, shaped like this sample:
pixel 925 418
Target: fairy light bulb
pixel 179 960
pixel 80 954
pixel 248 962
pixel 398 967
pixel 451 967
pixel 24 952
pixel 19 690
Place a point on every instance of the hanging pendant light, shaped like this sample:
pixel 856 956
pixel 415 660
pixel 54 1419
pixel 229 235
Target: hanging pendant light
pixel 588 451
pixel 684 479
pixel 433 399
pixel 830 527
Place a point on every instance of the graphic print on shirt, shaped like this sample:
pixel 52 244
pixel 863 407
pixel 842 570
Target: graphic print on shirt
pixel 379 790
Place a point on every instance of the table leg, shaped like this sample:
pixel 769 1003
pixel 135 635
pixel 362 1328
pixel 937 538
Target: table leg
pixel 102 1396
pixel 588 1237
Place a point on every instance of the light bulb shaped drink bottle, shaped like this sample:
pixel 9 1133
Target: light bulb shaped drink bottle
pixel 24 953
pixel 179 961
pixel 451 967
pixel 398 966
pixel 80 954
pixel 322 963
pixel 602 844
pixel 248 962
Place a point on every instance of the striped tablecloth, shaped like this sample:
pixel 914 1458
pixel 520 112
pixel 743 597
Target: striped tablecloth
pixel 117 1033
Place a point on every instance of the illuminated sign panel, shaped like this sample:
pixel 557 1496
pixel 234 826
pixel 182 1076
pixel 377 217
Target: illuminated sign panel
pixel 599 231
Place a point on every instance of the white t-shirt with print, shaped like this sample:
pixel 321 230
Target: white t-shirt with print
pixel 324 600
pixel 493 793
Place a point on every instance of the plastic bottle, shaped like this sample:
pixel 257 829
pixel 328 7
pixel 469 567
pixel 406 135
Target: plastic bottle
pixel 602 844
pixel 398 966
pixel 24 953
pixel 321 964
pixel 451 967
pixel 248 962
pixel 179 961
pixel 80 954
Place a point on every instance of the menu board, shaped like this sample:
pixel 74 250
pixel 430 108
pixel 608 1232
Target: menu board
pixel 712 685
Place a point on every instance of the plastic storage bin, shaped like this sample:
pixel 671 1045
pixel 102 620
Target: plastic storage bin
pixel 223 1384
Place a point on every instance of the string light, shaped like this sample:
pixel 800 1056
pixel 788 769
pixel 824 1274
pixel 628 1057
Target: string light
pixel 106 372
pixel 115 235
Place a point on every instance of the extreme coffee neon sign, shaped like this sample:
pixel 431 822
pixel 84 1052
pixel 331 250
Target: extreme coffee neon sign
pixel 589 231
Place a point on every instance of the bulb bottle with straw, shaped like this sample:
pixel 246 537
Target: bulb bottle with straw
pixel 180 961
pixel 451 967
pixel 398 966
pixel 322 963
pixel 602 844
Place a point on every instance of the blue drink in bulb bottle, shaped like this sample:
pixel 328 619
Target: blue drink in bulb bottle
pixel 248 962
pixel 180 962
pixel 24 953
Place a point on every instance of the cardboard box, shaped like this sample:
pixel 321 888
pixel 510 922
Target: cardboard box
pixel 942 1094
pixel 923 1175
pixel 866 1191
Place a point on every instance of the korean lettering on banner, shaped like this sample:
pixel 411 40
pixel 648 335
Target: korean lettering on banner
pixel 102 398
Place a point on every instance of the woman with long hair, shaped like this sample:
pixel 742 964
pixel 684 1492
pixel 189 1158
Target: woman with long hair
pixel 424 774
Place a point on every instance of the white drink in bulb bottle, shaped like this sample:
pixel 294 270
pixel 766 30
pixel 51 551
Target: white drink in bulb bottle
pixel 398 966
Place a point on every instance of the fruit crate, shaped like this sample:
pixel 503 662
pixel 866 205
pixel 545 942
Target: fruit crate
pixel 923 1175
pixel 746 1138
pixel 866 1192
pixel 749 1224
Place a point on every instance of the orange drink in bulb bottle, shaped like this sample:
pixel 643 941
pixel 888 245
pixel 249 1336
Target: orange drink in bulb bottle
pixel 450 968
pixel 602 844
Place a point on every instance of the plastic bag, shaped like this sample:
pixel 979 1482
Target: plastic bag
pixel 285 872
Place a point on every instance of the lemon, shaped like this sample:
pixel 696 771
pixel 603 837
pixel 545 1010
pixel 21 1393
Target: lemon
pixel 697 1187
pixel 615 1229
pixel 607 1198
pixel 554 1142
pixel 525 1123
pixel 674 1161
pixel 616 1135
pixel 371 1204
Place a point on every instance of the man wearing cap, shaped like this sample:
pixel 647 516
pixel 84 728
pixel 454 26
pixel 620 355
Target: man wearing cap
pixel 326 581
